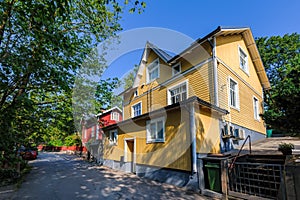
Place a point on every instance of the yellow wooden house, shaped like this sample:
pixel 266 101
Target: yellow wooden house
pixel 207 99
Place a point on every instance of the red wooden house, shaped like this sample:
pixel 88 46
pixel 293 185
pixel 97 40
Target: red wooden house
pixel 92 134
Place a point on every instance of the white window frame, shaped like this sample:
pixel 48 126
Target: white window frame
pixel 256 108
pixel 173 70
pixel 97 132
pixel 237 98
pixel 148 131
pixel 85 132
pixel 153 67
pixel 132 109
pixel 93 131
pixel 115 116
pixel 176 86
pixel 113 137
pixel 246 67
pixel 135 93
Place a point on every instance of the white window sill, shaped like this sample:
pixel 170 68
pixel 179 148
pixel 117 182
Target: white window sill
pixel 235 108
pixel 246 72
pixel 258 120
pixel 155 141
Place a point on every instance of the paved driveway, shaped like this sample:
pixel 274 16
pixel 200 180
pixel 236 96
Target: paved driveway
pixel 270 145
pixel 60 176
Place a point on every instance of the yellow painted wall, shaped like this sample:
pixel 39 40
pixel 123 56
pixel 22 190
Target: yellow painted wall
pixel 200 85
pixel 228 51
pixel 199 82
pixel 198 55
pixel 173 153
pixel 207 131
pixel 248 84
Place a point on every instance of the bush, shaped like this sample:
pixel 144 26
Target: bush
pixel 72 140
pixel 56 143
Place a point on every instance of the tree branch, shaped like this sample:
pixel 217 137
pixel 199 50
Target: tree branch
pixel 6 17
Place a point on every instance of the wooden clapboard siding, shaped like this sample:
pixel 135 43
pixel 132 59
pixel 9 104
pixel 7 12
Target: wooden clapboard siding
pixel 174 153
pixel 228 51
pixel 207 131
pixel 248 84
pixel 244 116
pixel 198 55
pixel 201 83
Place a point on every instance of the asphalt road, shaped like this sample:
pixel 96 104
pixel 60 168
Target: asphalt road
pixel 59 176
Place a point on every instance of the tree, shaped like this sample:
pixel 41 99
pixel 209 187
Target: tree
pixel 129 79
pixel 281 58
pixel 42 46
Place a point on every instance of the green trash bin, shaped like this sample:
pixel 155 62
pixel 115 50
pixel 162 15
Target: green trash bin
pixel 269 133
pixel 213 176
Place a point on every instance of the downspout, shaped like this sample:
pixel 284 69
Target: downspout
pixel 193 137
pixel 215 71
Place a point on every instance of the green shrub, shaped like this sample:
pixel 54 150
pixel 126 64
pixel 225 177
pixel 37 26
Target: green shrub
pixel 72 140
pixel 56 143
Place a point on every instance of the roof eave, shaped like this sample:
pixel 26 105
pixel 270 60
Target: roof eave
pixel 195 99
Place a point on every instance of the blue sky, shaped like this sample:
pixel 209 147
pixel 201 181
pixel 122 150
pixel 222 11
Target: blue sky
pixel 198 18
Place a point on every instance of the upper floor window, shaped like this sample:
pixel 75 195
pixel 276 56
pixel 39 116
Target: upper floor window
pixel 156 130
pixel 113 136
pixel 177 93
pixel 243 60
pixel 85 133
pixel 97 132
pixel 153 71
pixel 256 108
pixel 137 109
pixel 135 93
pixel 93 131
pixel 176 69
pixel 115 116
pixel 233 93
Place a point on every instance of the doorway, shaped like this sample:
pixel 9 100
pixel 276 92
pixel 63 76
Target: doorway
pixel 129 154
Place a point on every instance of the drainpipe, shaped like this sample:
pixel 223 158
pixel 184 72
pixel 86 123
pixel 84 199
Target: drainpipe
pixel 215 71
pixel 193 137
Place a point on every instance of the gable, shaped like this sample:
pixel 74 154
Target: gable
pixel 154 52
pixel 242 33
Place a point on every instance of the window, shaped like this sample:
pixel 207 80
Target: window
pixel 243 60
pixel 93 131
pixel 113 136
pixel 156 130
pixel 114 116
pixel 233 93
pixel 135 93
pixel 85 133
pixel 137 109
pixel 177 93
pixel 97 132
pixel 255 108
pixel 176 69
pixel 153 71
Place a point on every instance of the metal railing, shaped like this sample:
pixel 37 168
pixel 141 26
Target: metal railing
pixel 232 164
pixel 258 179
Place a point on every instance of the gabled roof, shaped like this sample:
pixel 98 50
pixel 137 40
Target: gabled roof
pixel 220 31
pixel 250 43
pixel 109 110
pixel 149 46
pixel 161 53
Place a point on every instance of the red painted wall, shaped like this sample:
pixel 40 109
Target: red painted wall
pixel 104 120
